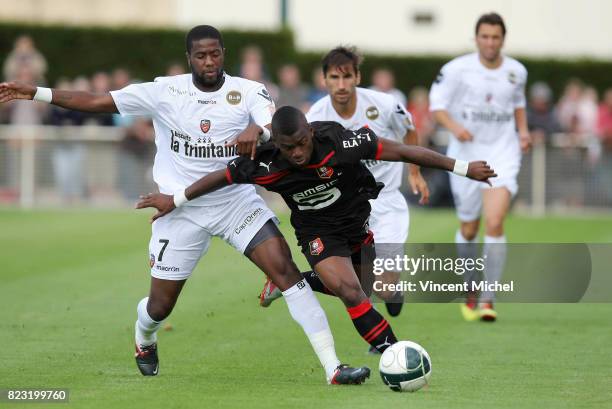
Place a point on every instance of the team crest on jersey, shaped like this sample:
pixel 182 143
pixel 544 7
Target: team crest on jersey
pixel 233 97
pixel 316 247
pixel 372 113
pixel 152 260
pixel 512 77
pixel 205 125
pixel 489 97
pixel 325 172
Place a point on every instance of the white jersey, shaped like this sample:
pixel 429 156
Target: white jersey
pixel 483 101
pixel 193 128
pixel 380 112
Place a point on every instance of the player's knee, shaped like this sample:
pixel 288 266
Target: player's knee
pixel 495 226
pixel 284 273
pixel 160 308
pixel 469 230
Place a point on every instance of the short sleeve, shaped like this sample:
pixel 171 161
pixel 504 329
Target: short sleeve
pixel 260 105
pixel 443 88
pixel 357 145
pixel 400 119
pixel 518 98
pixel 137 99
pixel 240 170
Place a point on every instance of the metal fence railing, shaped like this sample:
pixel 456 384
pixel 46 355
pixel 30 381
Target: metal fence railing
pixel 46 166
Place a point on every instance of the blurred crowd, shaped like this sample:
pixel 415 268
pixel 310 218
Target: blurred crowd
pixel 578 122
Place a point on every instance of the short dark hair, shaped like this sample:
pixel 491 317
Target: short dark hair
pixel 493 19
pixel 200 32
pixel 339 56
pixel 287 120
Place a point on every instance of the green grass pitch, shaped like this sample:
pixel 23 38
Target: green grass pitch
pixel 70 281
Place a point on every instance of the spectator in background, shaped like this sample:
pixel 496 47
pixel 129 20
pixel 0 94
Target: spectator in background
pixel 252 68
pixel 541 117
pixel 317 90
pixel 567 108
pixel 101 84
pixel 604 132
pixel 25 54
pixel 68 157
pixel 418 106
pixel 291 91
pixel 21 113
pixel 383 80
pixel 121 78
pixel 137 149
pixel 175 68
pixel 577 112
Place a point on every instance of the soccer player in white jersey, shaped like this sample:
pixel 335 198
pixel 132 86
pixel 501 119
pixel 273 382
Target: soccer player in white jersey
pixel 480 99
pixel 354 107
pixel 198 117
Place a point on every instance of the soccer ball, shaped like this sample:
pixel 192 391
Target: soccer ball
pixel 405 366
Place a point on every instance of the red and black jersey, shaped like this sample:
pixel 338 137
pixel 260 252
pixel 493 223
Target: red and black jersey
pixel 332 191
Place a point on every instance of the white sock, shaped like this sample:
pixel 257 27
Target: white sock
pixel 467 249
pixel 146 327
pixel 304 307
pixel 495 252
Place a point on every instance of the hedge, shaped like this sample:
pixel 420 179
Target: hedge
pixel 73 51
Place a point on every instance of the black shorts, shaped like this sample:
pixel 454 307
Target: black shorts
pixel 356 243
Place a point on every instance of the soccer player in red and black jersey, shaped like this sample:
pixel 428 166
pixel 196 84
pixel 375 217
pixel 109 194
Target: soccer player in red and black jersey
pixel 317 170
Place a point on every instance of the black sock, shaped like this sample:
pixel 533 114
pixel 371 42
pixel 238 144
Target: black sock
pixel 315 282
pixel 372 326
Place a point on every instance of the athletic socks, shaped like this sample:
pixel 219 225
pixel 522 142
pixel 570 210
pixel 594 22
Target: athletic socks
pixel 315 282
pixel 306 310
pixel 494 253
pixel 467 249
pixel 146 327
pixel 372 326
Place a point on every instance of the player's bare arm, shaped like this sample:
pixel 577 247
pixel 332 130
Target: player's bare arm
pixel 77 100
pixel 166 203
pixel 443 118
pixel 397 152
pixel 520 116
pixel 415 179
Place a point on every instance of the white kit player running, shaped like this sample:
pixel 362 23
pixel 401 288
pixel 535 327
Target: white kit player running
pixel 203 120
pixel 480 99
pixel 353 108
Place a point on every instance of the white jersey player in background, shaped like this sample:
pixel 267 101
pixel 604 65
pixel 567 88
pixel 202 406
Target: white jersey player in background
pixel 198 118
pixel 480 99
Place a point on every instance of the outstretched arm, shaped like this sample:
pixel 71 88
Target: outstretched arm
pixel 77 100
pixel 166 203
pixel 415 179
pixel 396 152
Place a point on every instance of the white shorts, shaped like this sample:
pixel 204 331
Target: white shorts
pixel 389 221
pixel 467 193
pixel 181 238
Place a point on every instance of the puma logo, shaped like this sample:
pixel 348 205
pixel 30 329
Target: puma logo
pixel 384 344
pixel 265 166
